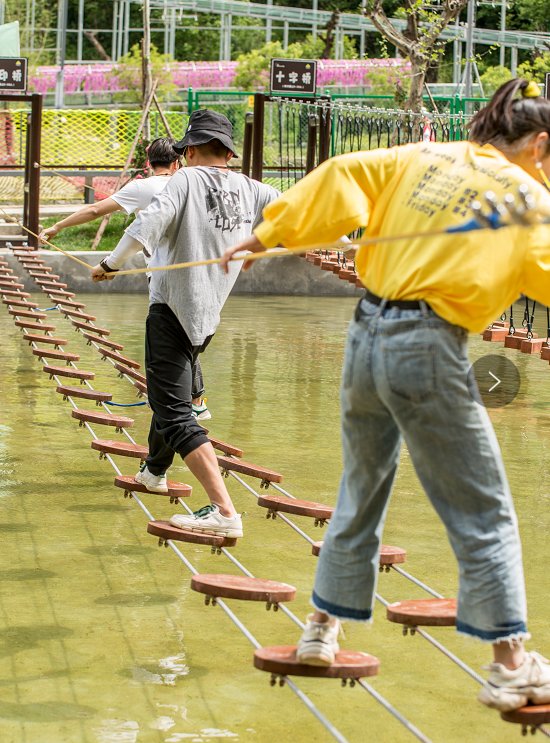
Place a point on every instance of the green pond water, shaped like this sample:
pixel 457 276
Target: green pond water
pixel 101 637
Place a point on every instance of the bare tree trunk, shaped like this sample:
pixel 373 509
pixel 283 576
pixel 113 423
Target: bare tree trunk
pixel 328 38
pixel 91 36
pixel 418 77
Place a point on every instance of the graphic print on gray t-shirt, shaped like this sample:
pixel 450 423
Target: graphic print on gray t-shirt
pixel 225 210
pixel 201 212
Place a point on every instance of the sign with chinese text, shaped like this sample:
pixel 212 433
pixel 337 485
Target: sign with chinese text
pixel 13 74
pixel 293 76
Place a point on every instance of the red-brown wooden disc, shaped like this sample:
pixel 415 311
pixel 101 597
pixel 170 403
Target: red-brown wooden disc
pixel 19 303
pixel 67 371
pixel 247 468
pixel 4 263
pixel 44 353
pixel 493 335
pixel 47 269
pixel 531 345
pixel 29 264
pixel 51 284
pixel 226 448
pixel 50 340
pixel 103 418
pixel 533 715
pixel 103 341
pixel 70 303
pixel 281 660
pixel 11 284
pixel 296 506
pixel 122 448
pixel 90 328
pixel 129 363
pixel 84 392
pixel 59 294
pixel 130 372
pixel 388 555
pixel 165 530
pixel 175 489
pixel 34 326
pixel 10 293
pixel 423 612
pixel 140 386
pixel 243 588
pixel 30 313
pixel 46 276
pixel 82 316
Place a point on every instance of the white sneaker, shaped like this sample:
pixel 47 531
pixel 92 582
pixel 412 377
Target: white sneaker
pixel 210 521
pixel 154 483
pixel 318 644
pixel 506 690
pixel 201 412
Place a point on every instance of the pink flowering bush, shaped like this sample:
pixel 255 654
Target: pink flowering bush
pixel 101 78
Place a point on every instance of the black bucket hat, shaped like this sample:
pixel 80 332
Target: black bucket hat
pixel 204 126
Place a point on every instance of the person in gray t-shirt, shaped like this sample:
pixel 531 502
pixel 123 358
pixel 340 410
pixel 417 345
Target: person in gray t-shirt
pixel 204 209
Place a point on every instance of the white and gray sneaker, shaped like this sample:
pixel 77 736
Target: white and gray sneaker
pixel 507 689
pixel 318 644
pixel 209 520
pixel 154 483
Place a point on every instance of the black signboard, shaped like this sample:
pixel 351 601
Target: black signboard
pixel 293 76
pixel 13 74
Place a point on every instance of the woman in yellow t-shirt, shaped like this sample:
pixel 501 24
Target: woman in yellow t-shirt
pixel 406 366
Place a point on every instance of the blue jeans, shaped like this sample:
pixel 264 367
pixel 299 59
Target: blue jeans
pixel 404 378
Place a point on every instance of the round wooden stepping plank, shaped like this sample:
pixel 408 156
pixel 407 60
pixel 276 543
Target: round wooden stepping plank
pixel 423 612
pixel 103 418
pixel 129 371
pixel 141 387
pixel 175 489
pixel 531 716
pixel 47 269
pixel 34 326
pixel 164 530
pixel 226 448
pixel 130 363
pixel 84 393
pixel 4 263
pixel 24 313
pixel 51 284
pixel 10 293
pixel 281 661
pixel 70 303
pixel 110 344
pixel 11 284
pixel 67 371
pixel 122 448
pixel 275 503
pixel 45 339
pixel 494 335
pixel 40 275
pixel 78 315
pixel 60 294
pixel 243 588
pixel 388 555
pixel 19 303
pixel 90 328
pixel 247 468
pixel 58 355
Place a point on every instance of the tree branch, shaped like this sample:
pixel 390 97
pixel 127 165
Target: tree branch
pixel 376 13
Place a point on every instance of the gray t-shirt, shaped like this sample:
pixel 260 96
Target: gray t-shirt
pixel 201 212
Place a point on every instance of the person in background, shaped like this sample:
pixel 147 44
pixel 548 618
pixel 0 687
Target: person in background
pixel 405 376
pixel 202 210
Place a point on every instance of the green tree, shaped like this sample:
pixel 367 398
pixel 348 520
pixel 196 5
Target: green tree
pixel 493 78
pixel 536 69
pixel 129 73
pixel 533 14
pixel 253 68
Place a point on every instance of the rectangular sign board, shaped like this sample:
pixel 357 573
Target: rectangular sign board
pixel 13 74
pixel 293 76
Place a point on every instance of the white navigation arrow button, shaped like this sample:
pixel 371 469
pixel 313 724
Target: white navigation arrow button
pixel 495 385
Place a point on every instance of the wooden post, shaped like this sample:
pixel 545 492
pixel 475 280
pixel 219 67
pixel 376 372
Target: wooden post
pixel 147 78
pixel 162 116
pixel 258 137
pixel 247 143
pixel 312 128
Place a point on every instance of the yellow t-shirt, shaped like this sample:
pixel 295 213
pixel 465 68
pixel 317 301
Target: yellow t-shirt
pixel 467 278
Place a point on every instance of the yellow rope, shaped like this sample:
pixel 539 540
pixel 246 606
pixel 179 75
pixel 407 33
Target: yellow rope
pixel 46 242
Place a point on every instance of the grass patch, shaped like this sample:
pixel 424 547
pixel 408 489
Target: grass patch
pixel 82 236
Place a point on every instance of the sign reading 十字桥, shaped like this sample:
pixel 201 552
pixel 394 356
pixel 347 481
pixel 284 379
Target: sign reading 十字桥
pixel 293 76
pixel 13 74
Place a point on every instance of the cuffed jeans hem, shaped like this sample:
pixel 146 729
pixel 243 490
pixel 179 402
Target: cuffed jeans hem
pixel 340 612
pixel 192 444
pixel 515 631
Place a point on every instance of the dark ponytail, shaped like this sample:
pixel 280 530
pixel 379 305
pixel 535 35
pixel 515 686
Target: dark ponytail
pixel 506 120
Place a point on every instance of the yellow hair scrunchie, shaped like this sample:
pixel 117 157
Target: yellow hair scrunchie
pixel 532 90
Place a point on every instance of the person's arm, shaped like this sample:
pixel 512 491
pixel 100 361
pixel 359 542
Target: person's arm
pixel 333 200
pixel 86 214
pixel 127 247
